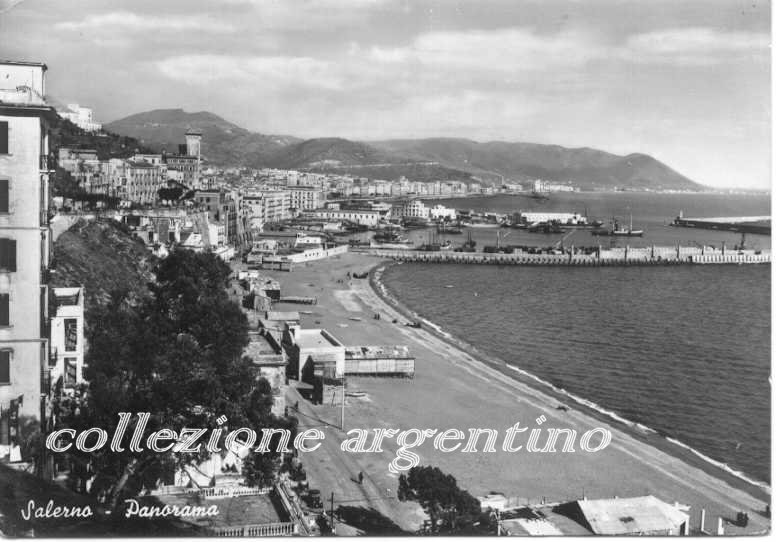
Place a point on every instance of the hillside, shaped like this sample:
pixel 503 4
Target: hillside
pixel 223 143
pixel 108 145
pixel 587 168
pixel 104 258
pixel 423 159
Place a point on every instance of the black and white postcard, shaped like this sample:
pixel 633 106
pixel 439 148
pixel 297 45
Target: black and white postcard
pixel 385 268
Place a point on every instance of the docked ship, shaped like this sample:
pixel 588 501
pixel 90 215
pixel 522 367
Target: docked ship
pixel 553 226
pixel 617 230
pixel 389 239
pixel 435 245
pixel 469 246
pixel 448 229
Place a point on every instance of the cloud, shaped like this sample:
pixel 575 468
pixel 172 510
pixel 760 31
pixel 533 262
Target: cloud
pixel 501 50
pixel 306 14
pixel 128 21
pixel 694 46
pixel 265 72
pixel 6 5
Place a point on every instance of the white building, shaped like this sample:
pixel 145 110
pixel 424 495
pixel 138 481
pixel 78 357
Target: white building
pixel 563 218
pixel 67 337
pixel 25 241
pixel 411 209
pixel 265 207
pixel 357 216
pixel 438 212
pixel 306 198
pixel 81 117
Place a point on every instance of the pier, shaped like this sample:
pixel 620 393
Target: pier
pixel 601 257
pixel 760 225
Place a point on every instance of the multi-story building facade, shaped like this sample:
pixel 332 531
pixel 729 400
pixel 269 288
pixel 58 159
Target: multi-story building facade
pixel 266 206
pixel 225 209
pixel 306 198
pixel 410 209
pixel 357 216
pixel 25 118
pixel 189 160
pixel 135 182
pixel 67 337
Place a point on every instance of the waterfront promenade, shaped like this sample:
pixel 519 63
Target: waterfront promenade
pixel 456 388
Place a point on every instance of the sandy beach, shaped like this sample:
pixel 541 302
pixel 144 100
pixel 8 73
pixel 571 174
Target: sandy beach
pixel 454 389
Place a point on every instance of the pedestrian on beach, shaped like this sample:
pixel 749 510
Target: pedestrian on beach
pixel 361 478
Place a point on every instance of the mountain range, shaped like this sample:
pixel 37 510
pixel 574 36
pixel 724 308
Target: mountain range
pixel 225 143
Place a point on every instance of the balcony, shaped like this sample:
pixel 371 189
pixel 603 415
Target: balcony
pixel 21 95
pixel 47 164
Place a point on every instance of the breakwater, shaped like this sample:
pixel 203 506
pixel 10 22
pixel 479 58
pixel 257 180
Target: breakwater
pixel 586 258
pixel 760 225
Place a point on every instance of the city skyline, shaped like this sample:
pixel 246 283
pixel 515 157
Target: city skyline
pixel 688 84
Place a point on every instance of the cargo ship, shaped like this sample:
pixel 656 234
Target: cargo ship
pixel 619 231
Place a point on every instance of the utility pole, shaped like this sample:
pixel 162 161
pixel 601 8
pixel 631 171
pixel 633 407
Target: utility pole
pixel 342 416
pixel 332 512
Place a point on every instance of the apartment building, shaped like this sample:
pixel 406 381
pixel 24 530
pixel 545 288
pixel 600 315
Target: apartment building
pixel 25 118
pixel 304 198
pixel 66 361
pixel 266 206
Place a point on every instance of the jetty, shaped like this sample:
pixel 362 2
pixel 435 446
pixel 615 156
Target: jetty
pixel 760 225
pixel 653 255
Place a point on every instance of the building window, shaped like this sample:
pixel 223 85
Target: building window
pixel 71 371
pixel 71 334
pixel 5 366
pixel 4 195
pixel 5 303
pixel 4 137
pixel 7 255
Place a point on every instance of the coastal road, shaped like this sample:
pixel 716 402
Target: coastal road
pixel 329 469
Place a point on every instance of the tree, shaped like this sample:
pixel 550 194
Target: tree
pixel 259 470
pixel 170 194
pixel 176 355
pixel 450 508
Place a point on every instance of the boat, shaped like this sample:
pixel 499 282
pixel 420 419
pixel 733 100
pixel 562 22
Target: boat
pixel 434 245
pixel 446 229
pixel 389 236
pixel 617 230
pixel 468 246
pixel 553 226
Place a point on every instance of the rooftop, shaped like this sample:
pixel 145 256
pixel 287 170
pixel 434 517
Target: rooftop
pixel 636 515
pixel 290 316
pixel 315 338
pixel 24 63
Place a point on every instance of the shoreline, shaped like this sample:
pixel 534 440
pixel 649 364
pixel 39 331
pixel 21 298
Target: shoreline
pixel 646 435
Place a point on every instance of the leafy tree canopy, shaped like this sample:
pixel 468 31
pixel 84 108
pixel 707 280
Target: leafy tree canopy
pixel 177 355
pixel 450 508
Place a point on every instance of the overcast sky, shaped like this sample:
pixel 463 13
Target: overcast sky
pixel 685 81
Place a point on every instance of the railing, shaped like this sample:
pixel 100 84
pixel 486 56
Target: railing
pixel 46 163
pixel 223 492
pixel 292 507
pixel 287 528
pixel 233 491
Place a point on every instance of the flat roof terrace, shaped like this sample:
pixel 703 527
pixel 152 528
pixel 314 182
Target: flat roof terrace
pixel 315 338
